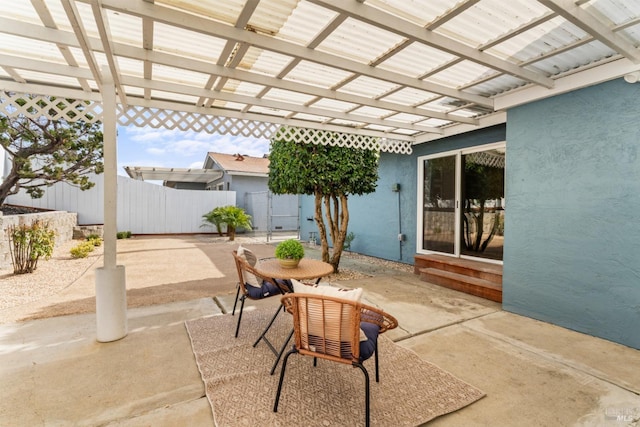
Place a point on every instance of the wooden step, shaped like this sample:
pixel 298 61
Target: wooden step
pixel 460 282
pixel 477 269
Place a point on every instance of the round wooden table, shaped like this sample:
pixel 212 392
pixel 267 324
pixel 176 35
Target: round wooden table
pixel 306 269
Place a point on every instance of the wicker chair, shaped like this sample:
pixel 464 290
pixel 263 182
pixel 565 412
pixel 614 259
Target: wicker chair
pixel 329 328
pixel 243 292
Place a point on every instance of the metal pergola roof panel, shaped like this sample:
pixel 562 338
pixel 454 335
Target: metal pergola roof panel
pixel 416 60
pixel 392 68
pixel 316 74
pixel 182 42
pixel 152 173
pixel 488 20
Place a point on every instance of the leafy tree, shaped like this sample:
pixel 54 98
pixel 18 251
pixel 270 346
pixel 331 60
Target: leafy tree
pixel 45 151
pixel 331 174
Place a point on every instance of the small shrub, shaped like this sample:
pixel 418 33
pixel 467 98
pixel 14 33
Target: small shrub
pixel 216 218
pixel 28 243
pixel 95 241
pixel 93 236
pixel 123 234
pixel 347 240
pixel 233 216
pixel 82 249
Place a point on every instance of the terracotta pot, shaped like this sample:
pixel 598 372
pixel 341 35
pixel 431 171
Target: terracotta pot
pixel 288 263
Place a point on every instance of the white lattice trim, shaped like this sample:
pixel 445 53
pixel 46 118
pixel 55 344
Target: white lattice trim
pixel 168 119
pixel 367 142
pixel 91 111
pixel 71 110
pixel 487 159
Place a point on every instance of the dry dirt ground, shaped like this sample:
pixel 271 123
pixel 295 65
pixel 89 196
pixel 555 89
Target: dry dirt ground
pixel 159 270
pixel 51 276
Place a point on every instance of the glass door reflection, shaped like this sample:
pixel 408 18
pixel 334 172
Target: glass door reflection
pixel 439 204
pixel 482 219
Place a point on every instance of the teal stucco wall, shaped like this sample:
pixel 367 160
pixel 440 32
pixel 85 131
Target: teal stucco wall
pixel 572 224
pixel 572 230
pixel 376 219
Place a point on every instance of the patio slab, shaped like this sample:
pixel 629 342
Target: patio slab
pixel 535 374
pixel 420 307
pixel 54 372
pixel 523 388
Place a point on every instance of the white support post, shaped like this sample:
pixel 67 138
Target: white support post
pixel 111 290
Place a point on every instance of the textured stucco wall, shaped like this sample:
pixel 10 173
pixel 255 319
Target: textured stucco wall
pixel 572 233
pixel 246 184
pixel 459 142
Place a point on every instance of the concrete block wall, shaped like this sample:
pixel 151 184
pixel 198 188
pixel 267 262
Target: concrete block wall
pixel 60 221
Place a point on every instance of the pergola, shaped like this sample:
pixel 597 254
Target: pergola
pixel 377 74
pixel 153 173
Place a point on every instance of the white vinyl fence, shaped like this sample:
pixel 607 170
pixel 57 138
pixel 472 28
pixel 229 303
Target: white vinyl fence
pixel 143 208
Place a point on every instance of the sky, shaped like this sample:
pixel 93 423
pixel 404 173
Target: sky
pixel 145 146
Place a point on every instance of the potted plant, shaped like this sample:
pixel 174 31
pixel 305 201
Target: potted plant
pixel 289 253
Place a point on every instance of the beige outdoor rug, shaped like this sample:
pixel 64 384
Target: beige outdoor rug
pixel 241 391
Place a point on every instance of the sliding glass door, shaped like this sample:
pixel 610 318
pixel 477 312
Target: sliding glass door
pixel 462 202
pixel 439 200
pixel 482 195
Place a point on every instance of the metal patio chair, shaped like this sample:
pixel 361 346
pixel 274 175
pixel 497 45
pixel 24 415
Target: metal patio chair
pixel 263 287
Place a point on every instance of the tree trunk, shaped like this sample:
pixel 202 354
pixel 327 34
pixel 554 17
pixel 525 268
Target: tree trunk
pixel 336 214
pixel 322 231
pixel 494 229
pixel 231 232
pixel 466 232
pixel 479 227
pixel 8 184
pixel 340 232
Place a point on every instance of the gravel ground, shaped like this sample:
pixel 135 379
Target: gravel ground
pixel 51 276
pixel 344 274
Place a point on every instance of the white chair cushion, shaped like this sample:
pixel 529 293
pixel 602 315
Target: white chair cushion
pixel 249 278
pixel 331 291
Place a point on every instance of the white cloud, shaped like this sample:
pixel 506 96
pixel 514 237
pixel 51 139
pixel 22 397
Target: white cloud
pixel 228 144
pixel 174 148
pixel 156 151
pixel 146 134
pixel 188 146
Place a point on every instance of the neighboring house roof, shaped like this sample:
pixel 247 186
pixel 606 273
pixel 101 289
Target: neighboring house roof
pixel 240 164
pixel 172 174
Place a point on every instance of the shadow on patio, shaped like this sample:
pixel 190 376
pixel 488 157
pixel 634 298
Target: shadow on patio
pixel 54 371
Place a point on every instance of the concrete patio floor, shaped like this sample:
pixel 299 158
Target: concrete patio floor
pixel 54 373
